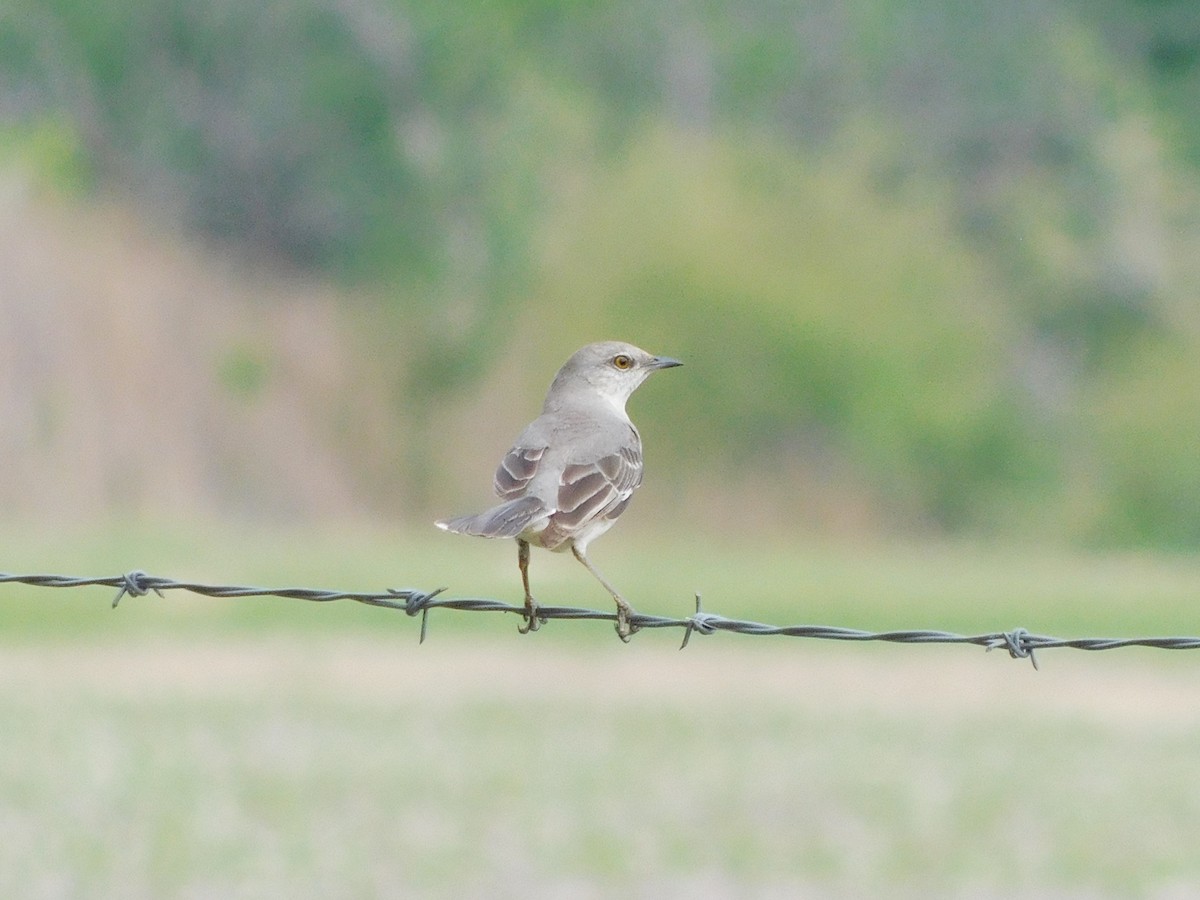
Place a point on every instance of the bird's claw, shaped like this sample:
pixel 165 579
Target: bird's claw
pixel 625 628
pixel 533 621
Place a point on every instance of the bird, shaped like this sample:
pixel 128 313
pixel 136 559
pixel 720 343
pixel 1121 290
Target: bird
pixel 572 471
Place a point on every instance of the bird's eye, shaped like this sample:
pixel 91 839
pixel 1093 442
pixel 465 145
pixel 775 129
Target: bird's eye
pixel 621 361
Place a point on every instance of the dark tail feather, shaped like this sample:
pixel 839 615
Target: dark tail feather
pixel 503 521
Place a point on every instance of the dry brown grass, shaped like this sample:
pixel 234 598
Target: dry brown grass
pixel 145 372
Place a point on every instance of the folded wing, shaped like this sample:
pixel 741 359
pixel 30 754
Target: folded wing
pixel 588 492
pixel 516 470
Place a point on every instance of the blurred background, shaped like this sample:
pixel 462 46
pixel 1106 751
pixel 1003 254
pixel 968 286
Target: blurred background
pixel 279 282
pixel 933 269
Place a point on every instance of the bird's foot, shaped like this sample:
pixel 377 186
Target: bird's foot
pixel 625 628
pixel 533 621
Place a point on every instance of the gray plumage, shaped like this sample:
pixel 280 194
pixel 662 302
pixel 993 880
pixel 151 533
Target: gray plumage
pixel 572 471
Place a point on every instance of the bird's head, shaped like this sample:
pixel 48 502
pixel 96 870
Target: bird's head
pixel 611 369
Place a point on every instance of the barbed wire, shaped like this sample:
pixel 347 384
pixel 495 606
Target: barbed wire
pixel 1019 642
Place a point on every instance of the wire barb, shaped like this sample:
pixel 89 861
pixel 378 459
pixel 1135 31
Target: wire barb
pixel 418 602
pixel 1019 642
pixel 134 584
pixel 701 622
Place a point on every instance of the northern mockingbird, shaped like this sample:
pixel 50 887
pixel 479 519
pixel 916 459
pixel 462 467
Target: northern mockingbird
pixel 573 469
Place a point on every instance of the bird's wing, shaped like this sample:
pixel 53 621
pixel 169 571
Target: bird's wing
pixel 516 470
pixel 598 489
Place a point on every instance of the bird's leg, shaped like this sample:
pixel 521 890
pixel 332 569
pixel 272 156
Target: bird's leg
pixel 625 628
pixel 532 622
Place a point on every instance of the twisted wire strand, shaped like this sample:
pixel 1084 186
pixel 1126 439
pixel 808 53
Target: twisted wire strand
pixel 1018 642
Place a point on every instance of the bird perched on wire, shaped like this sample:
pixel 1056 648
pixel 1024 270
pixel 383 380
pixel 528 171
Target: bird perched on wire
pixel 573 469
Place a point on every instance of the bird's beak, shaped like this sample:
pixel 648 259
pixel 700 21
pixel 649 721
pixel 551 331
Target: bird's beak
pixel 664 362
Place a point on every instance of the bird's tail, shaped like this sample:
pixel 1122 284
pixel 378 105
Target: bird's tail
pixel 503 521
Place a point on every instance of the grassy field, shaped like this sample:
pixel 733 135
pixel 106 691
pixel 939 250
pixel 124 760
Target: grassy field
pixel 186 747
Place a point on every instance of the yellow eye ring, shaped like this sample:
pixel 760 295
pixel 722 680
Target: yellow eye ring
pixel 622 361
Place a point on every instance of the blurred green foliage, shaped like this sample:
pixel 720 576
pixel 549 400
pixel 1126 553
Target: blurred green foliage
pixel 949 246
pixel 243 372
pixel 53 145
